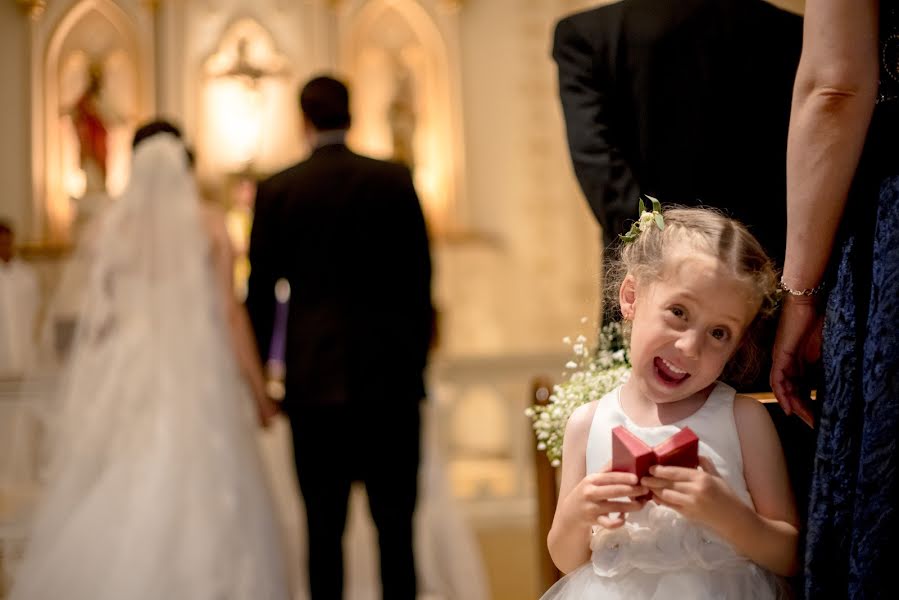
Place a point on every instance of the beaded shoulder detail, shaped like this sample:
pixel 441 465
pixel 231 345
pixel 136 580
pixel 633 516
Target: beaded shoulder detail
pixel 888 89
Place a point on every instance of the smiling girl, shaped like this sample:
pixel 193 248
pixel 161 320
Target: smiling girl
pixel 693 291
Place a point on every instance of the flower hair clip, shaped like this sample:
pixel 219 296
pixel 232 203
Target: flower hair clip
pixel 646 220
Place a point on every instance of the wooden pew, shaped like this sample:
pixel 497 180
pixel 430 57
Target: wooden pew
pixel 547 493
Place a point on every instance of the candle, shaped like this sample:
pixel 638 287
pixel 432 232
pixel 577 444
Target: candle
pixel 279 329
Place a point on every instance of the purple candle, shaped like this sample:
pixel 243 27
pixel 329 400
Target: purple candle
pixel 279 330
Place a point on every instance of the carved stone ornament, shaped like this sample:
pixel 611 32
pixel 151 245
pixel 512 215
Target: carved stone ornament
pixel 452 6
pixel 33 8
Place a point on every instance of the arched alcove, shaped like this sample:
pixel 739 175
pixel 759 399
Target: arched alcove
pixel 248 115
pixel 397 60
pixel 92 38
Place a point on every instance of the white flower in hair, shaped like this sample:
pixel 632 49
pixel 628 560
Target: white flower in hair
pixel 646 220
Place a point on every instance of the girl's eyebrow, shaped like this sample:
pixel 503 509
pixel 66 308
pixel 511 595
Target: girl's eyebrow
pixel 732 320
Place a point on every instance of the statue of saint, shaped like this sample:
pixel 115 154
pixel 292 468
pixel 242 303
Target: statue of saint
pixel 91 129
pixel 401 116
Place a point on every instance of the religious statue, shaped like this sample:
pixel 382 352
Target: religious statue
pixel 91 129
pixel 401 116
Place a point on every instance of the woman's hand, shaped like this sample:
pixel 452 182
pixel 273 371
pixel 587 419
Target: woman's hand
pixel 600 494
pixel 798 345
pixel 699 494
pixel 266 410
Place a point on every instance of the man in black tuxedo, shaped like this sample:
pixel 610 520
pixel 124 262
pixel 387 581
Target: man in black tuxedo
pixel 348 234
pixel 684 100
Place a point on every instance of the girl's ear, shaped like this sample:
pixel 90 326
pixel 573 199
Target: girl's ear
pixel 627 297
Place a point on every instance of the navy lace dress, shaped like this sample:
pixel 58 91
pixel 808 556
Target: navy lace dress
pixel 853 523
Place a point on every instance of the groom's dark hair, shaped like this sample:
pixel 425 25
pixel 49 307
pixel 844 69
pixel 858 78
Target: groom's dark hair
pixel 325 102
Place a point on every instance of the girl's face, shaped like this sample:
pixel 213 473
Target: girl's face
pixel 686 325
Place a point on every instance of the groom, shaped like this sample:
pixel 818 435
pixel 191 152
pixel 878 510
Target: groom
pixel 348 233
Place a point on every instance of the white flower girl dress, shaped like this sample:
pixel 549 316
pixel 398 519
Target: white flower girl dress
pixel 659 554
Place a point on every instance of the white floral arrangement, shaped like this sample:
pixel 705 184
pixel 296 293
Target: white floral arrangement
pixel 590 375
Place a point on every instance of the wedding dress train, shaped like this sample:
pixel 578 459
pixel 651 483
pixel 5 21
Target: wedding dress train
pixel 448 559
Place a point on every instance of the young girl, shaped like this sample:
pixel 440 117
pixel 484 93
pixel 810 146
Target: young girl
pixel 693 293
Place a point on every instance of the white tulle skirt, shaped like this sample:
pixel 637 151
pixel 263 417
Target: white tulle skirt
pixel 660 555
pixel 740 583
pixel 164 501
pixel 182 510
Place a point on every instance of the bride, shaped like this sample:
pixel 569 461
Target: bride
pixel 155 488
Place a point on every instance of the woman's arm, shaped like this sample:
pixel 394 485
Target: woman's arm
pixel 833 99
pixel 242 341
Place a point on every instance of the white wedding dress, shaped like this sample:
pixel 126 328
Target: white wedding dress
pixel 155 488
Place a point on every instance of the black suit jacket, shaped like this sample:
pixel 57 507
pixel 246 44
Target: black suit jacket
pixel 685 100
pixel 348 234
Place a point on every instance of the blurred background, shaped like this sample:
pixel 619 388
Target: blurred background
pixel 463 91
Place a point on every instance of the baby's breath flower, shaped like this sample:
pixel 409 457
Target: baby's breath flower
pixel 591 377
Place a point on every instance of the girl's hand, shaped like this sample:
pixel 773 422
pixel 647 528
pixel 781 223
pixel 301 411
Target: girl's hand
pixel 593 499
pixel 699 494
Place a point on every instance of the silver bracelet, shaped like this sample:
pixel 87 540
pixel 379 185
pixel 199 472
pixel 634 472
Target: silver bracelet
pixel 806 292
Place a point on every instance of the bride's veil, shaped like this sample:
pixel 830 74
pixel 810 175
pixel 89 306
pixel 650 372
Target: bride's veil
pixel 149 352
pixel 148 301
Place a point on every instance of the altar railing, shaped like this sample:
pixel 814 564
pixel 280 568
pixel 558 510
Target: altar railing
pixel 483 433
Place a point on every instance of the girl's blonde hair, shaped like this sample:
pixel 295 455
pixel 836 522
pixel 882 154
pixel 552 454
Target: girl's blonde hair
pixel 709 231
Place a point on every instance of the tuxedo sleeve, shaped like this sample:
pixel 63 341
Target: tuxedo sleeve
pixel 260 302
pixel 604 175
